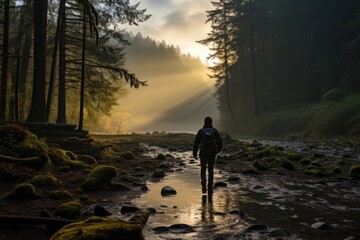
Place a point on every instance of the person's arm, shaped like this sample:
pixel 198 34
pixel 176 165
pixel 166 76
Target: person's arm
pixel 196 144
pixel 218 141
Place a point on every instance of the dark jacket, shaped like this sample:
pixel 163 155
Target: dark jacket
pixel 199 137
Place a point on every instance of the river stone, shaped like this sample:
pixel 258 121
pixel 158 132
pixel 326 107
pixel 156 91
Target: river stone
pixel 100 211
pixel 167 190
pixel 220 184
pixel 320 225
pixel 158 174
pixel 237 212
pixel 129 209
pixel 181 228
pixel 257 228
pixel 279 233
pixel 144 188
pixel 161 229
pixel 233 179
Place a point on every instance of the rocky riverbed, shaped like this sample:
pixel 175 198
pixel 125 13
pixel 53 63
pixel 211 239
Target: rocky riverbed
pixel 264 189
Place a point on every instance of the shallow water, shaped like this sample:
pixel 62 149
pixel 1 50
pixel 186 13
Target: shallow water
pixel 276 201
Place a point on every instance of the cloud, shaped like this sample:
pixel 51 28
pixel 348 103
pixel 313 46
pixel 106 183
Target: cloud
pixel 178 22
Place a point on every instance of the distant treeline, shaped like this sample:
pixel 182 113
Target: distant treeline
pixel 281 53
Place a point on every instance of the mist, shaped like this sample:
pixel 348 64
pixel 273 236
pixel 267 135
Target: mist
pixel 178 96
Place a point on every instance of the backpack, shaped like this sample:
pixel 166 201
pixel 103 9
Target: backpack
pixel 208 138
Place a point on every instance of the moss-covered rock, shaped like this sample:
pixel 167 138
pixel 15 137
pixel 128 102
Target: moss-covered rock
pixel 305 161
pixel 316 164
pixel 87 159
pixel 294 157
pixel 250 170
pixel 354 171
pixel 259 166
pixel 336 170
pixel 76 165
pixel 119 186
pixel 98 228
pixel 22 191
pixel 44 181
pixel 41 162
pixel 315 170
pixel 283 163
pixel 99 178
pixel 127 155
pixel 60 194
pixel 69 210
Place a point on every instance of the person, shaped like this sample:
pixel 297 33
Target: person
pixel 210 142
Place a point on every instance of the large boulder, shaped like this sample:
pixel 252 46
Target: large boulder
pixel 99 178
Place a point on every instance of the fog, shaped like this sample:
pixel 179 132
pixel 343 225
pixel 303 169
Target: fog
pixel 172 102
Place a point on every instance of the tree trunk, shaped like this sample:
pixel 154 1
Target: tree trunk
pixel 53 64
pixel 226 66
pixel 5 62
pixel 253 60
pixel 23 73
pixel 61 118
pixel 82 86
pixel 38 105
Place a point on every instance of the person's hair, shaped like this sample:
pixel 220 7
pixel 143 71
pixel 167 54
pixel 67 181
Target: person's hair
pixel 208 120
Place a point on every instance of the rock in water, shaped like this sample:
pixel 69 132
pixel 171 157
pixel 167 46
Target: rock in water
pixel 100 211
pixel 167 190
pixel 320 225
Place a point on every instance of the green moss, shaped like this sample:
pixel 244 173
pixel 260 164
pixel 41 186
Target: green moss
pixel 87 159
pixel 39 163
pixel 76 165
pixel 316 164
pixel 69 210
pixel 57 156
pixel 119 186
pixel 99 178
pixel 250 170
pixel 22 191
pixel 71 155
pixel 60 194
pixel 44 181
pixel 336 170
pixel 98 228
pixel 313 170
pixel 259 166
pixel 354 171
pixel 294 157
pixel 127 155
pixel 283 163
pixel 305 161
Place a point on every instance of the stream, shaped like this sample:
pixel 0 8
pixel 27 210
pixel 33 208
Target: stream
pixel 266 206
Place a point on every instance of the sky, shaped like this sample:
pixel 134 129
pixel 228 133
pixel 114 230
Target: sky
pixel 177 22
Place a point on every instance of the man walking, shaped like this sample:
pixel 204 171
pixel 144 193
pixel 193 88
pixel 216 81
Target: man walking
pixel 209 140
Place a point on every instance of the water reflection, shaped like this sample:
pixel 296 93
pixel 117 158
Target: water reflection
pixel 207 209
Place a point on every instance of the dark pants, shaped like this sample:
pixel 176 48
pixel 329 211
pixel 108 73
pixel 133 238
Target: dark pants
pixel 207 158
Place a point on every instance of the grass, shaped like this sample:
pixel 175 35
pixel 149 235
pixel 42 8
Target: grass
pixel 322 120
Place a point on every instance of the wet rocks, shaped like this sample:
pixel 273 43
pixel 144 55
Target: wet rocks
pixel 100 211
pixel 257 228
pixel 320 226
pixel 167 191
pixel 220 184
pixel 175 228
pixel 129 209
pixel 158 174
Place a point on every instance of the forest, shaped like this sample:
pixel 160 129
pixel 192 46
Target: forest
pixel 63 61
pixel 286 67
